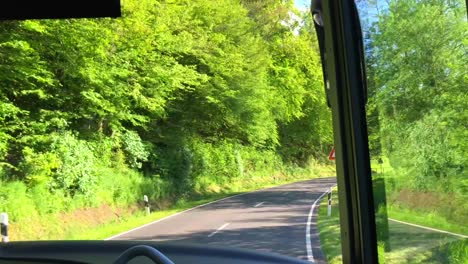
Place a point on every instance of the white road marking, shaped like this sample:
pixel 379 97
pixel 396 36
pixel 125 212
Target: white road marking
pixel 428 228
pixel 257 205
pixel 176 214
pixel 196 207
pixel 219 229
pixel 310 255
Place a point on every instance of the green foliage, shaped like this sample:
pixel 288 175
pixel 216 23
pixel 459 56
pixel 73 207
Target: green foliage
pixel 134 148
pixel 458 252
pixel 417 106
pixel 122 187
pixel 39 168
pixel 172 98
pixel 47 202
pixel 76 173
pixel 381 252
pixel 16 200
pixel 206 166
pixel 381 215
pixel 416 65
pixel 437 160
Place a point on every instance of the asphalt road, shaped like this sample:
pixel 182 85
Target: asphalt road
pixel 273 220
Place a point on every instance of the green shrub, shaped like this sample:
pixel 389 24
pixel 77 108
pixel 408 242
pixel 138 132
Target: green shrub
pixel 196 165
pixel 216 161
pixel 118 186
pixel 17 201
pixel 103 150
pixel 38 168
pixel 175 165
pixel 76 174
pixel 429 156
pixel 136 152
pixel 156 188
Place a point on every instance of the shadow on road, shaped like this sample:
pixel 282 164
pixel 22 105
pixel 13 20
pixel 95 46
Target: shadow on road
pixel 278 225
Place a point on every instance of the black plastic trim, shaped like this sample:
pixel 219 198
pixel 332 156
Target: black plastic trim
pixel 99 251
pixel 347 94
pixel 58 9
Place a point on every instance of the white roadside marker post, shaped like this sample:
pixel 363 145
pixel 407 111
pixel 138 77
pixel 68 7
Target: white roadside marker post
pixel 329 202
pixel 4 227
pixel 145 198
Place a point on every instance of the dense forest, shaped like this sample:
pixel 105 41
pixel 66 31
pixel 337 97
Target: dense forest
pixel 172 98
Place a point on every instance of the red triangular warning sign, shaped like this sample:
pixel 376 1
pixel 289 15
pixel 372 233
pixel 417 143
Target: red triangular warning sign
pixel 332 154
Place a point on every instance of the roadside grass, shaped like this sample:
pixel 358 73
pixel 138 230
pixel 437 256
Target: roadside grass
pixel 426 219
pixel 105 221
pixel 432 209
pixel 410 244
pixel 407 244
pixel 381 168
pixel 135 220
pixel 329 229
pixel 113 228
pixel 454 252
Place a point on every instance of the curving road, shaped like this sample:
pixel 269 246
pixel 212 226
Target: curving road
pixel 275 220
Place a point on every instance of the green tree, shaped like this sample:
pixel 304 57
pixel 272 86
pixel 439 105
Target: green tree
pixel 419 82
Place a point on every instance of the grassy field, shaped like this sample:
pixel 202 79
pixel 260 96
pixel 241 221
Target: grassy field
pixel 408 244
pixel 431 208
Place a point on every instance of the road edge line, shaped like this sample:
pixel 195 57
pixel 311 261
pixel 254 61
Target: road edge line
pixel 198 206
pixel 176 214
pixel 428 228
pixel 310 255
